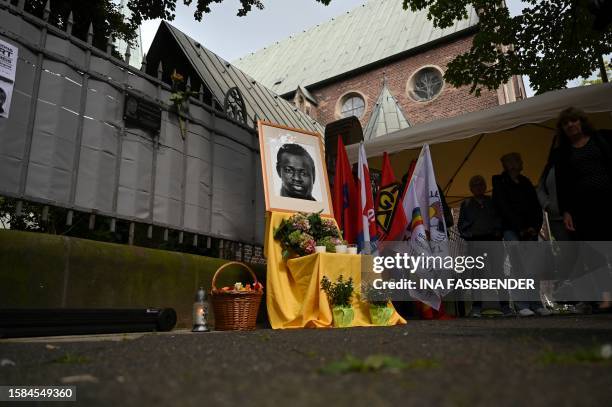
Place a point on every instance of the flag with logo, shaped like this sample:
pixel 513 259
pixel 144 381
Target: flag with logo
pixel 345 195
pixel 426 231
pixel 366 224
pixel 390 219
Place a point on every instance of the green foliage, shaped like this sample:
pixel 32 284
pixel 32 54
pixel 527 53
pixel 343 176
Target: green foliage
pixel 598 78
pixel 71 359
pixel 376 297
pixel 375 363
pixel 299 233
pixel 339 294
pixel 330 243
pixel 578 356
pixel 104 15
pixel 551 41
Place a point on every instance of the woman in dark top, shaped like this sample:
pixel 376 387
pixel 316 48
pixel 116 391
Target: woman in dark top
pixel 584 177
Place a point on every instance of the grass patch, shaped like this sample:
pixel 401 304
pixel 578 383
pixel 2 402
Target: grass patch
pixel 71 359
pixel 375 363
pixel 311 354
pixel 583 355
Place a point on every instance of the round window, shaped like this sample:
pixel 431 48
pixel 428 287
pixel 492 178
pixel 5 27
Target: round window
pixel 426 84
pixel 352 105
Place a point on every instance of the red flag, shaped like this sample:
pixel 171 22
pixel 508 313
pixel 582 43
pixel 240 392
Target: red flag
pixel 390 218
pixel 345 195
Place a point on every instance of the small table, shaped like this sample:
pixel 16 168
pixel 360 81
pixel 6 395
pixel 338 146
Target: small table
pixel 294 298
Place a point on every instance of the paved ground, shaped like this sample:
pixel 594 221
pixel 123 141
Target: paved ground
pixel 539 361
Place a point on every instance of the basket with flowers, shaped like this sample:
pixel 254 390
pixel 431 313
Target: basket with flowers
pixel 301 232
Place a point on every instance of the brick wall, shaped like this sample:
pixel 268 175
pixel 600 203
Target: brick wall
pixel 451 102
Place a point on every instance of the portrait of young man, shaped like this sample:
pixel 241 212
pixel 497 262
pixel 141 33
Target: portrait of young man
pixel 296 169
pixel 293 169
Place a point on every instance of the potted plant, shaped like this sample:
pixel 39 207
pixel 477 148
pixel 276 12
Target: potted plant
pixel 378 301
pixel 339 295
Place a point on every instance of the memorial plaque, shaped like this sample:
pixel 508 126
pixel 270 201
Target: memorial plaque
pixel 141 113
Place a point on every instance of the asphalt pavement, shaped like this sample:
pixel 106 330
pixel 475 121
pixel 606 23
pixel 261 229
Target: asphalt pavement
pixel 560 361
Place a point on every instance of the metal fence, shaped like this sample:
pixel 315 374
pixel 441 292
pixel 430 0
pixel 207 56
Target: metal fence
pixel 66 142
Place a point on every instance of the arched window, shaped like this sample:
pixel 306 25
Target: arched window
pixel 352 105
pixel 234 106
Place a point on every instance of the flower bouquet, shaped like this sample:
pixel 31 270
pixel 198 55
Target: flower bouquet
pixel 179 98
pixel 339 295
pixel 299 234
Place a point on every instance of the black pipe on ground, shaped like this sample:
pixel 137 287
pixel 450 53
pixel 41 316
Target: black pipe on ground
pixel 16 323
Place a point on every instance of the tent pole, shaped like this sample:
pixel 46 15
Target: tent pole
pixel 467 157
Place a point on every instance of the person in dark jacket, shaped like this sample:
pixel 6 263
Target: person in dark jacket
pixel 480 222
pixel 517 203
pixel 478 217
pixel 584 177
pixel 584 180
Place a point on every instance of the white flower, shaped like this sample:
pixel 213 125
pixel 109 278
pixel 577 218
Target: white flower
pixel 606 351
pixel 238 286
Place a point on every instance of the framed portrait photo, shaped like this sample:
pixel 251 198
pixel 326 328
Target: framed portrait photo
pixel 293 168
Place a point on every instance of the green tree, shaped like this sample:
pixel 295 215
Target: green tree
pixel 598 78
pixel 551 42
pixel 104 15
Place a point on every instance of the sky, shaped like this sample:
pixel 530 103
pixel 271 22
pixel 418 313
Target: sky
pixel 232 37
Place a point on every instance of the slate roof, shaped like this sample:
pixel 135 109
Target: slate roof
pixel 220 76
pixel 374 31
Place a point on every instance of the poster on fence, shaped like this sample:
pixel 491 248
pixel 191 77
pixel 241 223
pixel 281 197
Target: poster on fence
pixel 8 67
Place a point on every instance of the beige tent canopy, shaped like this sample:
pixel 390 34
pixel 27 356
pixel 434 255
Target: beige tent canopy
pixel 472 143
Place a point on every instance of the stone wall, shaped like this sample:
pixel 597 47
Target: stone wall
pixel 39 270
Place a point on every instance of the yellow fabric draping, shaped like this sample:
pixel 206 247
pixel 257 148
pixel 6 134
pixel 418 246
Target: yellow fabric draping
pixel 294 298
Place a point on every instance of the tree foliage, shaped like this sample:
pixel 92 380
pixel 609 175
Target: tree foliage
pixel 551 42
pixel 104 15
pixel 598 77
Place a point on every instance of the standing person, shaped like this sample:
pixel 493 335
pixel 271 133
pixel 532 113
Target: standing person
pixel 517 203
pixel 584 179
pixel 547 195
pixel 480 222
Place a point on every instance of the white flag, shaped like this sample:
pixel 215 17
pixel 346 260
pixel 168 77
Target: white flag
pixel 366 228
pixel 426 229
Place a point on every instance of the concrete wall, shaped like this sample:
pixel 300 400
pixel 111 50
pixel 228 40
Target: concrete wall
pixel 66 142
pixel 47 271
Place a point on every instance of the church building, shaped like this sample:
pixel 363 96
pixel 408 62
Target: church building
pixel 379 63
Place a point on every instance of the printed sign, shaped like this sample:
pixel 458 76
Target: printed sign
pixel 8 67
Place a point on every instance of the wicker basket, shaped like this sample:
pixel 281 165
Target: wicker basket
pixel 235 311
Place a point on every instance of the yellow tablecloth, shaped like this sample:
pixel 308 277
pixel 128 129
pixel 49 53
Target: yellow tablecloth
pixel 294 298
